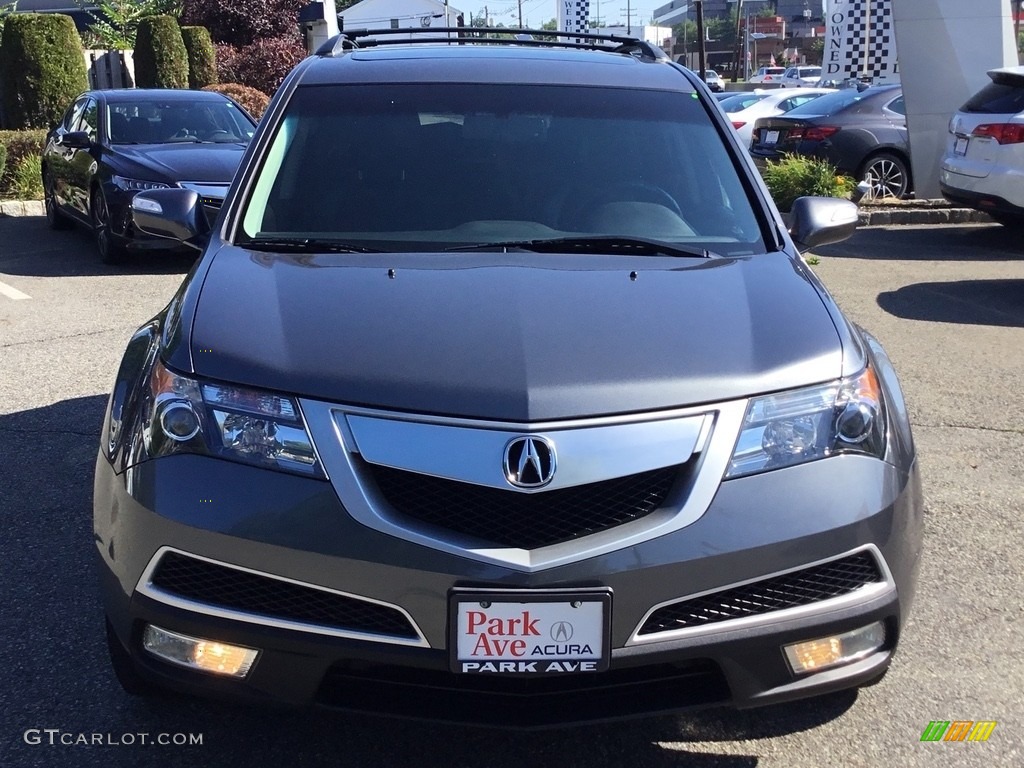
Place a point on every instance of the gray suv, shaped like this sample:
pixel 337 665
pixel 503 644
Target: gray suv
pixel 500 393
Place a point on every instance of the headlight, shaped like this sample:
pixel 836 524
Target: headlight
pixel 137 185
pixel 801 425
pixel 183 415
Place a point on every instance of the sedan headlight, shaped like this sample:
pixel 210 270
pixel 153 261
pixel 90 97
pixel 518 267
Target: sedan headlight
pixel 183 415
pixel 801 425
pixel 137 185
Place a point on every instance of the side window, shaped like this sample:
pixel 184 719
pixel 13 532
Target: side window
pixel 74 113
pixel 89 120
pixel 898 106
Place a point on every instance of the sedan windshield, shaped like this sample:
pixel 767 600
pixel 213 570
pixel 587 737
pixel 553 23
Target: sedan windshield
pixel 407 168
pixel 177 121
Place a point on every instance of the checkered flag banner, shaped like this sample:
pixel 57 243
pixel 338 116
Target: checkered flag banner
pixel 573 16
pixel 860 41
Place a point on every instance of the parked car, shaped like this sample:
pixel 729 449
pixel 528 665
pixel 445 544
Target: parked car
pixel 801 77
pixel 768 75
pixel 428 434
pixel 714 81
pixel 113 143
pixel 983 166
pixel 744 108
pixel 863 133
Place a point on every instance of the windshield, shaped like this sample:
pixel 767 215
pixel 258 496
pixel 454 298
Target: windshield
pixel 177 121
pixel 741 101
pixel 410 168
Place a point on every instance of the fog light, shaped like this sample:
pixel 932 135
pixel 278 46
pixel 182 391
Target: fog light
pixel 825 652
pixel 196 653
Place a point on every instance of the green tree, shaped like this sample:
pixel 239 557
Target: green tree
pixel 116 22
pixel 161 60
pixel 202 61
pixel 5 10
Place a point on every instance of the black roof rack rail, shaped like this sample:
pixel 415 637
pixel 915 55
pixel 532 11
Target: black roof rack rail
pixel 352 39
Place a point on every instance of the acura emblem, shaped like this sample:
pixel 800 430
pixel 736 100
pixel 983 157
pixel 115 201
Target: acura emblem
pixel 529 462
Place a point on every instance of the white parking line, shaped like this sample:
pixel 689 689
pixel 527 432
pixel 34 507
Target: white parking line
pixel 12 293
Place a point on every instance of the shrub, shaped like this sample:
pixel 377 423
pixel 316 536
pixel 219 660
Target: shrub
pixel 202 63
pixel 42 68
pixel 254 102
pixel 27 179
pixel 796 176
pixel 3 160
pixel 241 22
pixel 161 60
pixel 17 146
pixel 262 65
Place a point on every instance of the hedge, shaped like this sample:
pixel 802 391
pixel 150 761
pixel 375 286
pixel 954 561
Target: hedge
pixel 42 68
pixel 253 101
pixel 161 60
pixel 202 63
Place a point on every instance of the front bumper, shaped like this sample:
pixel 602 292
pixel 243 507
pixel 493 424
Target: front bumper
pixel 295 528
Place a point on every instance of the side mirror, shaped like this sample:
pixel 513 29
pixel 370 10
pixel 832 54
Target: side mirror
pixel 176 214
pixel 76 140
pixel 817 221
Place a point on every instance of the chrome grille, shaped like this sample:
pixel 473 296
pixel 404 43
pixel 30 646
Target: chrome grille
pixel 523 520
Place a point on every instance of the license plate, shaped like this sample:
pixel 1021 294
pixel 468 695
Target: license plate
pixel 538 632
pixel 771 137
pixel 960 146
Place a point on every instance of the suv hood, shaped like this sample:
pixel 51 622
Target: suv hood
pixel 515 337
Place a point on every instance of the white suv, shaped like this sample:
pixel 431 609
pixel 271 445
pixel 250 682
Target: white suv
pixel 983 166
pixel 801 77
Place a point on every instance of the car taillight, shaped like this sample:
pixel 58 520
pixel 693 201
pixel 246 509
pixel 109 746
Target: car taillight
pixel 1004 133
pixel 820 132
pixel 737 125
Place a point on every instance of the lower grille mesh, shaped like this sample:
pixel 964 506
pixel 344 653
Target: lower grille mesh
pixel 524 520
pixel 230 588
pixel 803 587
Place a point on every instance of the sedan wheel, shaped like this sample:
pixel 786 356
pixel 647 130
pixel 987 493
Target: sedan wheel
pixel 887 176
pixel 111 251
pixel 54 217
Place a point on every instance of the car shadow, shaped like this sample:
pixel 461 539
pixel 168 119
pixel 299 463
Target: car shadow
pixel 964 302
pixel 969 242
pixel 32 249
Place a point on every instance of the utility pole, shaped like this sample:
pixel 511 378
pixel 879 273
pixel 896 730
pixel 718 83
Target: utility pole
pixel 628 10
pixel 520 3
pixel 736 45
pixel 702 48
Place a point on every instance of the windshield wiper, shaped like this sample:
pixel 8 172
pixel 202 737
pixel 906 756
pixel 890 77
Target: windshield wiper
pixel 304 245
pixel 606 244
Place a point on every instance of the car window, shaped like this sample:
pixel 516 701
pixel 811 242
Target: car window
pixel 810 71
pixel 830 103
pixel 74 114
pixel 897 105
pixel 177 120
pixel 401 167
pixel 791 72
pixel 741 101
pixel 88 122
pixel 795 101
pixel 997 98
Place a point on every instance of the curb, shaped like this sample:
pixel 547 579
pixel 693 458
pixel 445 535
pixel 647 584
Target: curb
pixel 925 212
pixel 22 208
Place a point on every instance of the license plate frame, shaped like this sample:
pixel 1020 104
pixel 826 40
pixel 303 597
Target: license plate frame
pixel 537 630
pixel 960 145
pixel 771 137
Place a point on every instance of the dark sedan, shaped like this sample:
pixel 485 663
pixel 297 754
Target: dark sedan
pixel 112 144
pixel 863 133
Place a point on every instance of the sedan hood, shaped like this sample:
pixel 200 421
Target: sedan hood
pixel 516 337
pixel 186 161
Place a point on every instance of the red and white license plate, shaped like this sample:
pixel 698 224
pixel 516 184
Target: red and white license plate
pixel 534 632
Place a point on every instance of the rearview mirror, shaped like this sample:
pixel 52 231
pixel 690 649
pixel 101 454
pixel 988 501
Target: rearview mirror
pixel 75 140
pixel 821 220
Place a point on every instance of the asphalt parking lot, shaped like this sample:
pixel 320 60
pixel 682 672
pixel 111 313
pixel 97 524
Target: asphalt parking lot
pixel 947 303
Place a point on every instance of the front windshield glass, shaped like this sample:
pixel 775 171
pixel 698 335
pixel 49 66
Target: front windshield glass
pixel 177 121
pixel 409 168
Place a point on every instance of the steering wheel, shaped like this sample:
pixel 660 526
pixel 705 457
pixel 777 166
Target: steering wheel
pixel 214 135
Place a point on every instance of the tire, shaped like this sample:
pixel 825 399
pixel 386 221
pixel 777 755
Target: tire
pixel 890 176
pixel 127 674
pixel 54 218
pixel 110 250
